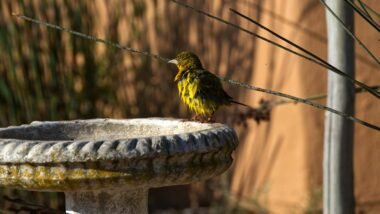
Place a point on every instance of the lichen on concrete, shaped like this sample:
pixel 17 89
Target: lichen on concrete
pixel 55 164
pixel 107 154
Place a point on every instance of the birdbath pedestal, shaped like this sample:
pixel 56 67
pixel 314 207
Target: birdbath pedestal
pixel 108 165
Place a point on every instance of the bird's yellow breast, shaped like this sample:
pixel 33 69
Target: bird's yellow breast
pixel 189 91
pixel 198 88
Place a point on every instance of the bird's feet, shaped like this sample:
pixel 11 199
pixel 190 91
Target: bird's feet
pixel 210 120
pixel 202 119
pixel 195 117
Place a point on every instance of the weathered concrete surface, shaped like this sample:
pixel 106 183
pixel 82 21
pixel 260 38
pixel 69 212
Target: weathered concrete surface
pixel 108 201
pixel 99 159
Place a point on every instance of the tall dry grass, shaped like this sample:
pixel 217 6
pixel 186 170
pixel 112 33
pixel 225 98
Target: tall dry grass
pixel 50 75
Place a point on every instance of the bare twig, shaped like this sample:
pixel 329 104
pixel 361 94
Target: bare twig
pixel 370 9
pixel 350 33
pixel 317 97
pixel 249 32
pixel 365 10
pixel 129 49
pixel 328 66
pixel 316 105
pixel 356 8
pixel 233 82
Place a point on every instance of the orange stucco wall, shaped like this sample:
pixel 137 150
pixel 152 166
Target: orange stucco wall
pixel 279 164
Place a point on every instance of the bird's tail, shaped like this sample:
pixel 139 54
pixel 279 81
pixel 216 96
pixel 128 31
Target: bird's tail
pixel 236 102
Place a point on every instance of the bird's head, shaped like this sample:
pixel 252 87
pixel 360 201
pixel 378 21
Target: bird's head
pixel 186 60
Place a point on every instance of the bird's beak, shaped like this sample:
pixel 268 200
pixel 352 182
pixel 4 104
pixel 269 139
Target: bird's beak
pixel 173 61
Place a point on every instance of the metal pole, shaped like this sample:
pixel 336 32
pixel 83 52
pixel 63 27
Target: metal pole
pixel 338 190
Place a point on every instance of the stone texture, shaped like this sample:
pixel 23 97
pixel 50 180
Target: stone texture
pixel 103 160
pixel 85 154
pixel 107 201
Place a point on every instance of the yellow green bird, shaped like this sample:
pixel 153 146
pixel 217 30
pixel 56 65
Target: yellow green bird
pixel 199 89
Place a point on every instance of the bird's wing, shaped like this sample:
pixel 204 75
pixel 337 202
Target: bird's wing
pixel 211 87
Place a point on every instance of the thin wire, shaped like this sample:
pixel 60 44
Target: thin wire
pixel 370 10
pixel 331 67
pixel 132 50
pixel 319 96
pixel 365 10
pixel 316 105
pixel 374 24
pixel 349 32
pixel 233 82
pixel 374 93
pixel 249 32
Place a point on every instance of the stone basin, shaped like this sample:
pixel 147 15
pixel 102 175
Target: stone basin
pixel 108 165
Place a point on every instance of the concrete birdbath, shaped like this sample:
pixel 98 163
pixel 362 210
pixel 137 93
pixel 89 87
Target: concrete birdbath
pixel 108 165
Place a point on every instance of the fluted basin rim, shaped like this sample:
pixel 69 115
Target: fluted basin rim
pixel 191 137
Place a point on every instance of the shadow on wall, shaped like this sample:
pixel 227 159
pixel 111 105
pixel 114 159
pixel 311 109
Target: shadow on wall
pixel 50 75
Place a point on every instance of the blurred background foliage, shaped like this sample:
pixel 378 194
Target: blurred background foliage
pixel 51 75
